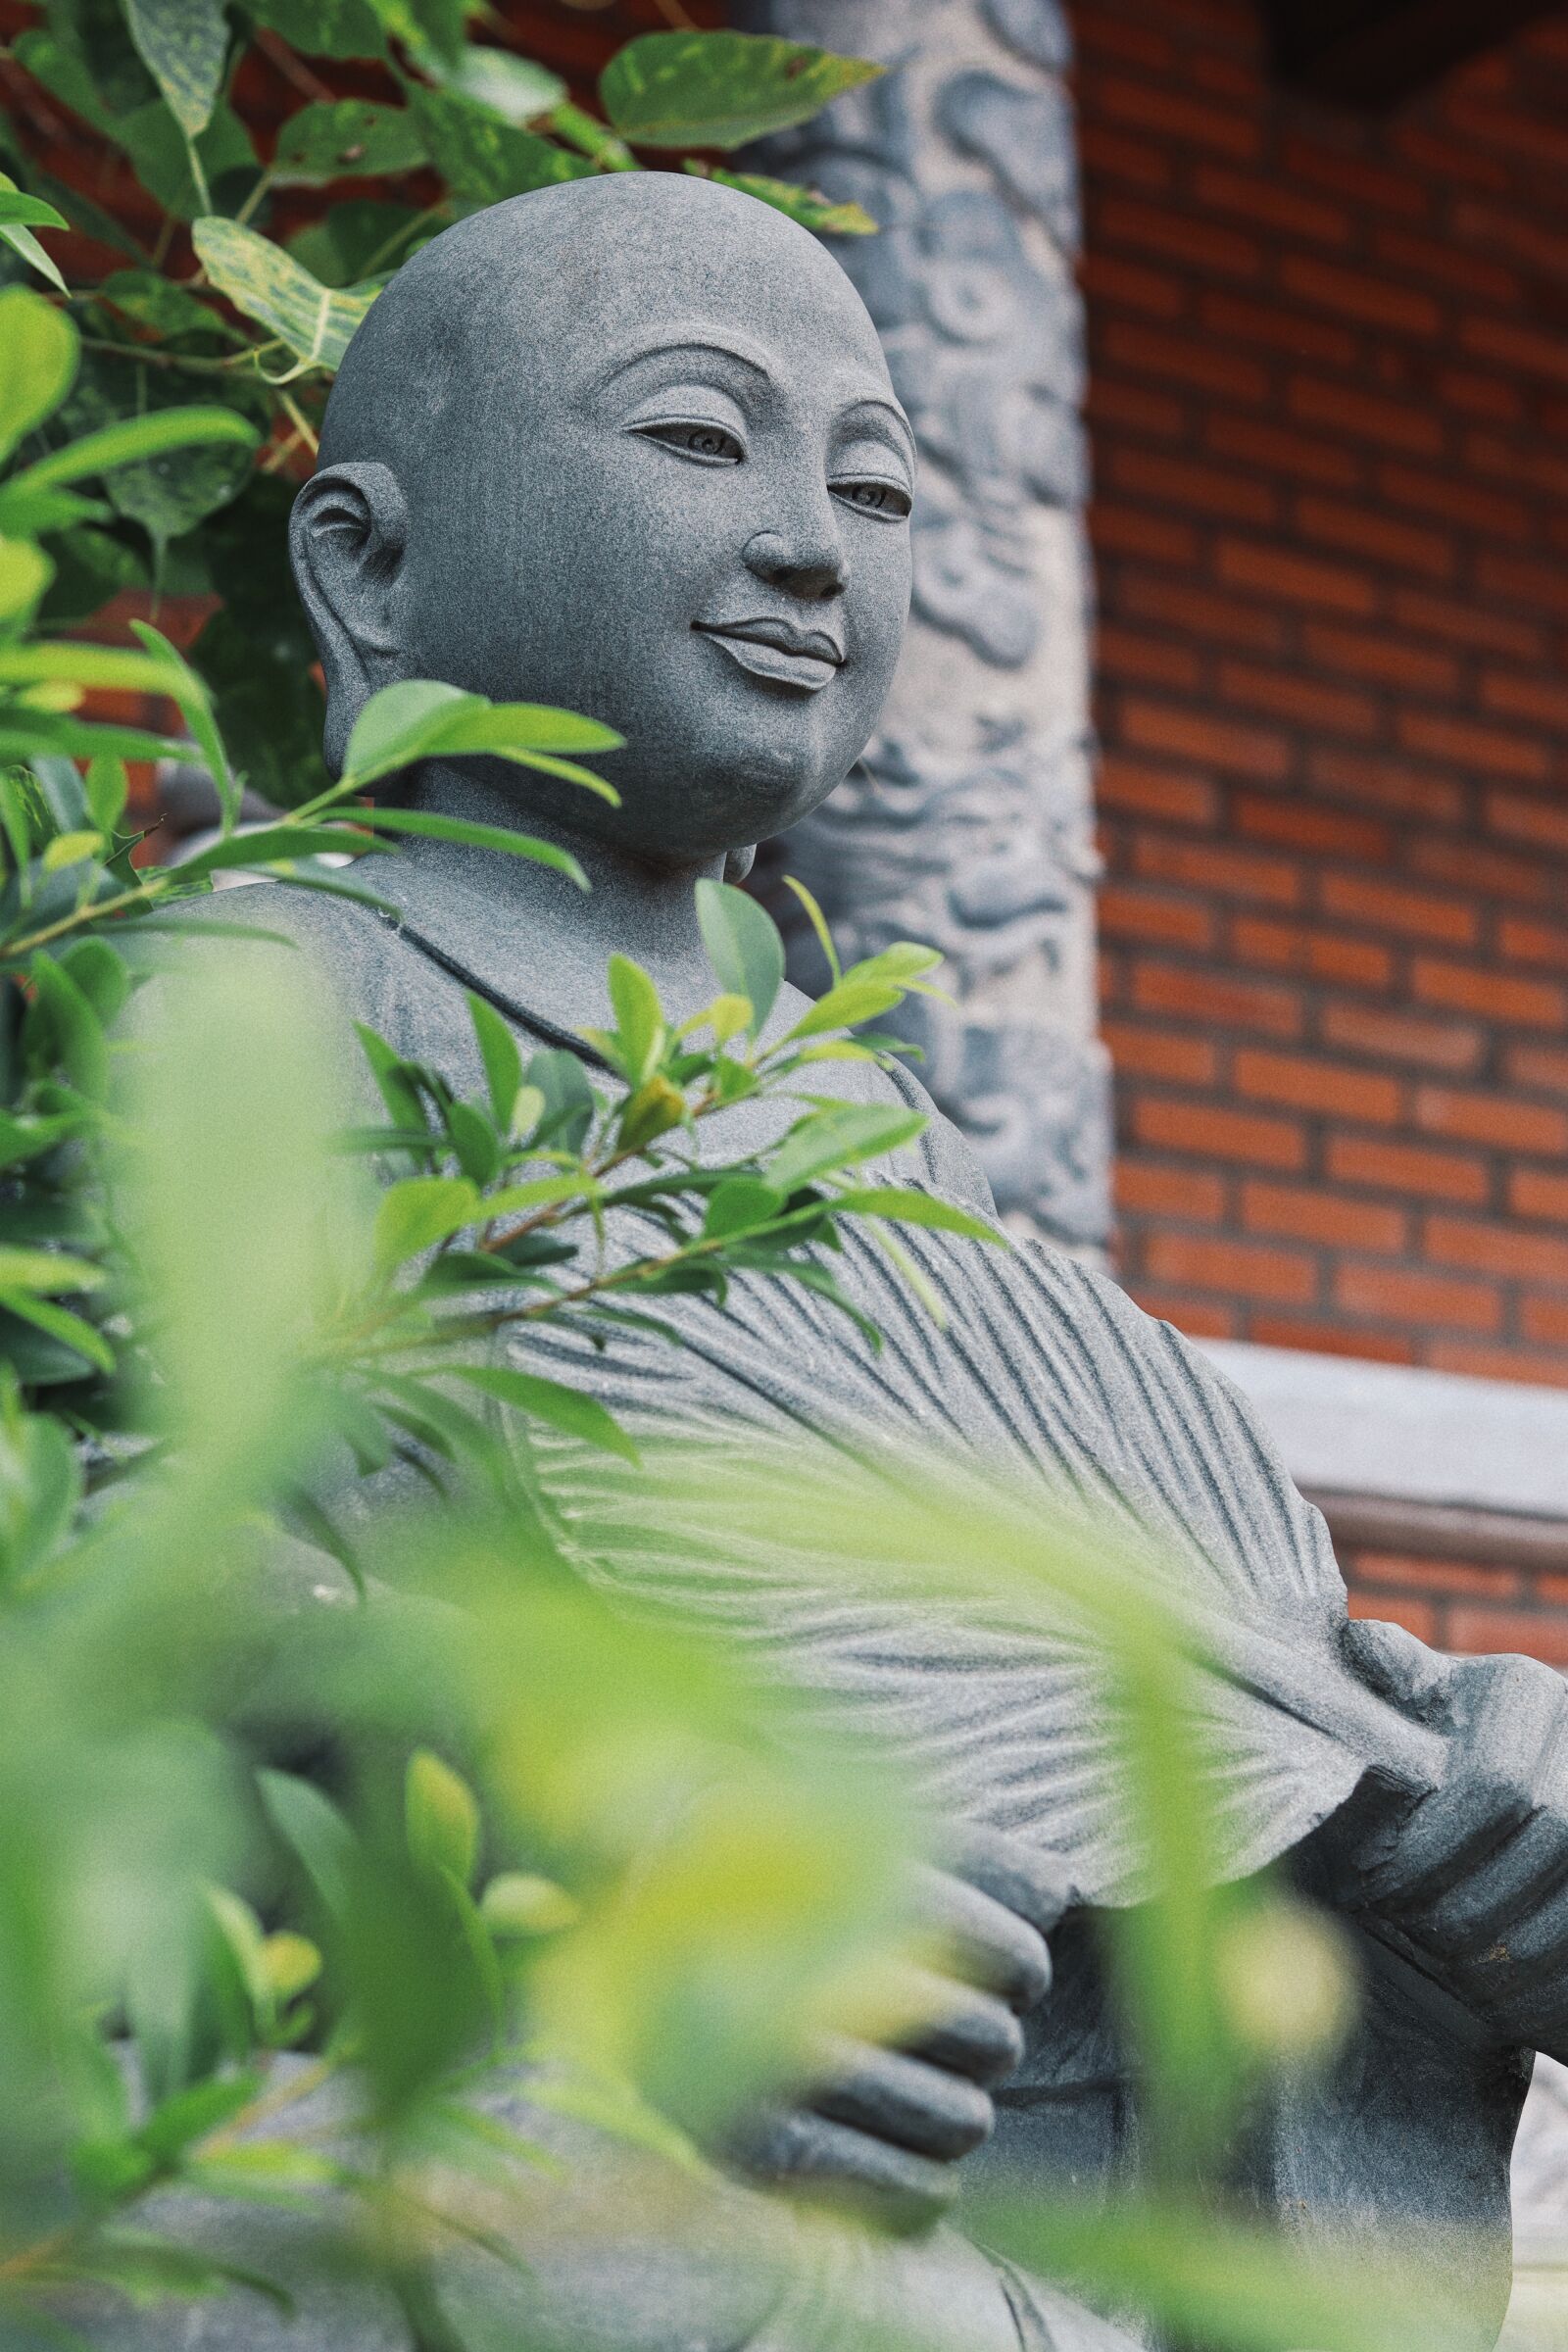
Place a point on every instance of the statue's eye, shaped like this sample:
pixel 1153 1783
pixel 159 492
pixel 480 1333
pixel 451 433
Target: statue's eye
pixel 875 498
pixel 708 443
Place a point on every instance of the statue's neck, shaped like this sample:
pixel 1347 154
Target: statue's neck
pixel 530 932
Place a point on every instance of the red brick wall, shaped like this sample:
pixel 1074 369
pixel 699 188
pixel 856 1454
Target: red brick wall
pixel 1464 1606
pixel 1329 417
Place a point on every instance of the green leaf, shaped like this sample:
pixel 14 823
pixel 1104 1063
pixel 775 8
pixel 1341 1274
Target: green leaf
pixel 639 1018
pixel 150 2269
pixel 48 1272
pixel 106 787
pixel 475 1142
pixel 520 1903
pixel 63 1016
pixel 197 716
pixel 540 1191
pixel 324 27
pixel 256 655
pixel 37 361
pixel 90 567
pixel 346 138
pixel 432 827
pixel 838 1137
pixel 153 299
pixel 553 1402
pixel 740 1203
pixel 393 1078
pixel 72 848
pixel 190 2114
pixel 651 1110
pixel 290 849
pixel 502 1062
pixel 267 705
pixel 905 962
pixel 25 574
pixel 14 207
pixel 586 135
pixel 15 213
pixel 56 1323
pixel 422 718
pixel 743 944
pixel 313 1827
pixel 813 210
pixel 569 1105
pixel 503 83
pixel 148 133
pixel 183 44
pixel 99 973
pixel 431 30
pixel 136 440
pixel 442 1818
pixel 25 734
pixel 905 1206
pixel 41 1488
pixel 266 2171
pixel 818 922
pixel 359 237
pixel 268 284
pixel 482 159
pixel 850 1003
pixel 292 1963
pixel 29 514
pixel 81 665
pixel 417 1213
pixel 720 89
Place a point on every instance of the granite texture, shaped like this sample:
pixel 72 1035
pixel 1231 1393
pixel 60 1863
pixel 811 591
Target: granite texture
pixel 511 497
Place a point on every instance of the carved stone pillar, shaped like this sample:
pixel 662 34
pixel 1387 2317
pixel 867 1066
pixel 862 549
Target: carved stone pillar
pixel 968 825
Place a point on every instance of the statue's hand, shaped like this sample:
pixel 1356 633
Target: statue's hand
pixel 882 2127
pixel 1476 1875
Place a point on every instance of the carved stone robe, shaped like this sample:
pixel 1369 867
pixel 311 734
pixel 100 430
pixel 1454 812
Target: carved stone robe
pixel 1044 1376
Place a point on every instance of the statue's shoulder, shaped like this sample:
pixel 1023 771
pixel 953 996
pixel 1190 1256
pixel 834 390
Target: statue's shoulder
pixel 364 968
pixel 341 933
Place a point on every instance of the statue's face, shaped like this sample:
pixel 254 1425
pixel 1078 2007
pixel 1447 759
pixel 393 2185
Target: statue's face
pixel 692 522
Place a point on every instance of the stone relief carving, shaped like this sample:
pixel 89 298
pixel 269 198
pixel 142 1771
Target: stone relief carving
pixel 969 821
pixel 985 853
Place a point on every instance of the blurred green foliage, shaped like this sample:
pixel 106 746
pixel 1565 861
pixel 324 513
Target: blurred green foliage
pixel 533 1828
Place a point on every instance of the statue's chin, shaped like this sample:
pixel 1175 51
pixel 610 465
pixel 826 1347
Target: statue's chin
pixel 698 802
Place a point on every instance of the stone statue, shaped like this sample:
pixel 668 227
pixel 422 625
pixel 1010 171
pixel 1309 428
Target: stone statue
pixel 630 446
pixel 969 825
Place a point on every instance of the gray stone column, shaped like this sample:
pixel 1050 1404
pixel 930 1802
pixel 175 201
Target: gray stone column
pixel 968 825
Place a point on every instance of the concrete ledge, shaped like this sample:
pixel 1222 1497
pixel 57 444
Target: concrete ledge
pixel 1481 1463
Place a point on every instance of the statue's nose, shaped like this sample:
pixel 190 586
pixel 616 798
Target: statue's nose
pixel 806 562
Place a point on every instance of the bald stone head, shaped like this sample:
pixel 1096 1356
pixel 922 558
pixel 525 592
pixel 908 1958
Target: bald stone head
pixel 626 445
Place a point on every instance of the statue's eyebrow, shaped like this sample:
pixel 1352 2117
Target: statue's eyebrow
pixel 704 347
pixel 884 411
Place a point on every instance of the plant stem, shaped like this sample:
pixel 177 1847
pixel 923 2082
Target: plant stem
pixel 145 357
pixel 293 68
pixel 401 236
pixel 248 208
pixel 302 425
pixel 47 2253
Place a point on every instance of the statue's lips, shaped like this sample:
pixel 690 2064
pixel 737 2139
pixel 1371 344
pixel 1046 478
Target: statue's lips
pixel 772 649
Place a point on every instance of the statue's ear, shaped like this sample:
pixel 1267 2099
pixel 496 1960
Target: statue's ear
pixel 346 540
